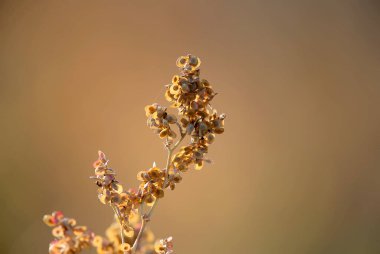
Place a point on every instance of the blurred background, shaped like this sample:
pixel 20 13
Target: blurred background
pixel 297 170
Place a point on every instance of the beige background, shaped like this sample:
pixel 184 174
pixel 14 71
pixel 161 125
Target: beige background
pixel 298 169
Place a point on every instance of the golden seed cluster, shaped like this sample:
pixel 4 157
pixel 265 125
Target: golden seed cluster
pixel 197 120
pixel 69 237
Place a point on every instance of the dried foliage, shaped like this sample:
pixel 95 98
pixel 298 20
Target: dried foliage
pixel 133 208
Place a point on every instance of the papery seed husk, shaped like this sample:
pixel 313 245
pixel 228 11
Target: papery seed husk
pixel 125 247
pixel 175 89
pixel 210 138
pixel 175 79
pixel 58 232
pixel 171 118
pixel 48 220
pixel 102 198
pixel 150 200
pixel 185 87
pixel 181 61
pixel 97 241
pixel 164 133
pixel 172 134
pixel 129 232
pixel 117 187
pixel 199 165
pixel 184 122
pixel 159 193
pixel 189 129
pixel 219 130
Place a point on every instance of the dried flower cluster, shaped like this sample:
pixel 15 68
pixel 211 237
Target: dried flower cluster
pixel 133 207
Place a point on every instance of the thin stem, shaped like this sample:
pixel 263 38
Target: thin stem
pixel 144 221
pixel 146 217
pixel 117 212
pixel 183 135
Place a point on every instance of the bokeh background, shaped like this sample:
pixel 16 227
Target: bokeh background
pixel 297 170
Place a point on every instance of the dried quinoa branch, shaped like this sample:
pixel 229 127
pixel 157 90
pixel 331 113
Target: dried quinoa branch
pixel 133 208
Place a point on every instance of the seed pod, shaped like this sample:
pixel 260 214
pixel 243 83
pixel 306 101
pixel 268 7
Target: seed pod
pixel 72 222
pixel 58 232
pixel 216 123
pixel 117 187
pixel 175 89
pixel 198 155
pixel 194 105
pixel 184 122
pixel 142 176
pixel 190 112
pixel 199 165
pixel 172 119
pixel 150 109
pixel 175 79
pixel 182 168
pixel 164 133
pixel 168 96
pixel 58 216
pixel 172 134
pixel 177 178
pixel 49 220
pixel 190 129
pixel 79 230
pixel 125 247
pixel 181 61
pixel 155 173
pixel 194 62
pixel 159 193
pixel 97 241
pixel 194 139
pixel 115 198
pixel 205 83
pixel 129 231
pixel 210 138
pixel 219 130
pixel 202 129
pixel 107 180
pixel 160 112
pixel 150 200
pixel 185 87
pixel 105 196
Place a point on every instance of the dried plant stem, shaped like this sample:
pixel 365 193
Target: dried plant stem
pixel 144 221
pixel 117 212
pixel 191 96
pixel 145 218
